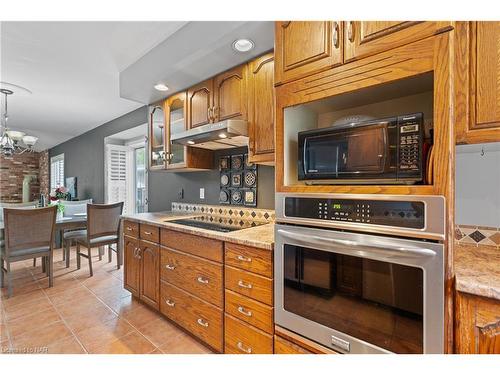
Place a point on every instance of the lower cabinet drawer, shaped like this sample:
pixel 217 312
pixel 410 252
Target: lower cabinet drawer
pixel 282 346
pixel 249 284
pixel 202 319
pixel 241 338
pixel 198 276
pixel 250 311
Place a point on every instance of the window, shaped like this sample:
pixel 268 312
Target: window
pixel 118 169
pixel 56 171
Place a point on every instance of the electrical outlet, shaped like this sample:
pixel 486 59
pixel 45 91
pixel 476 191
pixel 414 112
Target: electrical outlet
pixel 202 193
pixel 180 193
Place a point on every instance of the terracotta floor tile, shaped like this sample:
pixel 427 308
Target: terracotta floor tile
pixel 90 318
pixel 103 333
pixel 113 292
pixel 68 345
pixel 160 331
pixel 17 299
pixel 60 285
pixel 184 344
pixel 33 322
pixel 133 343
pixel 140 316
pixel 20 289
pixel 73 295
pixel 86 303
pixel 122 305
pixel 42 337
pixel 27 308
pixel 103 284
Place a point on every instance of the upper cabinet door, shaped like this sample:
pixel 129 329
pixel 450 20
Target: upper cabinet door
pixel 484 123
pixel 363 38
pixel 200 104
pixel 156 137
pixel 175 113
pixel 230 94
pixel 261 109
pixel 306 47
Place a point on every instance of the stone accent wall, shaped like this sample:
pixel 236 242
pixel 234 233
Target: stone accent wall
pixel 44 175
pixel 12 172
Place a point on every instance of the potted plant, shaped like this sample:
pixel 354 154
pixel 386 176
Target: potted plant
pixel 57 197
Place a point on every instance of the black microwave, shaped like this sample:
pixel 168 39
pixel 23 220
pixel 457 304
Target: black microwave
pixel 382 151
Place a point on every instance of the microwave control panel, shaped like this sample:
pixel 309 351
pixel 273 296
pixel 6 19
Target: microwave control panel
pixel 410 142
pixel 404 214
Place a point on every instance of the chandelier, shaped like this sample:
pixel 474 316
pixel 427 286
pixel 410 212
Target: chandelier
pixel 13 141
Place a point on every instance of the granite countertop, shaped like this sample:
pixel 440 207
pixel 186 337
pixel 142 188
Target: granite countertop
pixel 261 236
pixel 477 270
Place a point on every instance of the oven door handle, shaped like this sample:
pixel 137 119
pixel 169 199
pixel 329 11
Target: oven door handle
pixel 386 248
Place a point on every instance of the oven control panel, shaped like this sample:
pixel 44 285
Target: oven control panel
pixel 404 214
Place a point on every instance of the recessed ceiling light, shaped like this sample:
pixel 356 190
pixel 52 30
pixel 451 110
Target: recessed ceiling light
pixel 243 45
pixel 161 87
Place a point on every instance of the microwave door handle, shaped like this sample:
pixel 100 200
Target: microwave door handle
pixel 304 158
pixel 386 248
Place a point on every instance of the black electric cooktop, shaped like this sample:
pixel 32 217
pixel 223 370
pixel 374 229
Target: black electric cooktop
pixel 216 224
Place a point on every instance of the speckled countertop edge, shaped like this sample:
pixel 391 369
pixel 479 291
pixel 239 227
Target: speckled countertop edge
pixel 477 270
pixel 261 236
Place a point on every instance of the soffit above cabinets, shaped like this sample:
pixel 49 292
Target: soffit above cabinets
pixel 195 52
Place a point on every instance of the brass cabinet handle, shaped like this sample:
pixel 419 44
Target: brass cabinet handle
pixel 244 258
pixel 129 229
pixel 170 303
pixel 202 280
pixel 202 323
pixel 210 118
pixel 242 284
pixel 242 310
pixel 148 233
pixel 336 34
pixel 214 111
pixel 244 349
pixel 350 31
pixel 139 253
pixel 169 267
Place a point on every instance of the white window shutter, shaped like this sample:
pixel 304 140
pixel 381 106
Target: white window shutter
pixel 118 171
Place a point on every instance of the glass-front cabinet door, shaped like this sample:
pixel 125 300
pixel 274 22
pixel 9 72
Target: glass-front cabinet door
pixel 157 138
pixel 175 108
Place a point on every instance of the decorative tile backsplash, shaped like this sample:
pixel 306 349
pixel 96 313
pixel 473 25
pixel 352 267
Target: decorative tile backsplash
pixel 478 235
pixel 227 212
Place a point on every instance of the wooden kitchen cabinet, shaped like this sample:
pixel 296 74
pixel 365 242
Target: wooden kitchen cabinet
pixel 364 38
pixel 149 256
pixel 306 47
pixel 477 325
pixel 230 94
pixel 156 137
pixel 261 109
pixel 199 104
pixel 132 265
pixel 483 53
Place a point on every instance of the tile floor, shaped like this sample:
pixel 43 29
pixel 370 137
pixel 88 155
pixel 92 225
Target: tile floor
pixel 82 314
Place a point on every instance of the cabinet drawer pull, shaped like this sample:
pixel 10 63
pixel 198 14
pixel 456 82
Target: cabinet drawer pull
pixel 170 303
pixel 169 267
pixel 202 323
pixel 242 284
pixel 209 114
pixel 130 229
pixel 241 310
pixel 139 256
pixel 148 233
pixel 202 280
pixel 244 259
pixel 350 31
pixel 242 347
pixel 336 34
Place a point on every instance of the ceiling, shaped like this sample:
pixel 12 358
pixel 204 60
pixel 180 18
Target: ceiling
pixel 73 68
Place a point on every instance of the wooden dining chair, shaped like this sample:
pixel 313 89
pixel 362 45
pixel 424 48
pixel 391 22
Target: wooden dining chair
pixel 68 236
pixel 103 226
pixel 28 234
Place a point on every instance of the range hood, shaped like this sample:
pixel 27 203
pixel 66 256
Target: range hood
pixel 221 135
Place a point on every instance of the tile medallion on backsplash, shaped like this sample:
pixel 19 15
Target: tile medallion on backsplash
pixel 478 235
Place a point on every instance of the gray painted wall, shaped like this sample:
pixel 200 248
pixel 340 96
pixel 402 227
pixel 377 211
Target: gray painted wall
pixel 84 158
pixel 84 155
pixel 167 185
pixel 478 185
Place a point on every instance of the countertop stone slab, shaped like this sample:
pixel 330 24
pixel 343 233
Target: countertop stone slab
pixel 261 236
pixel 477 270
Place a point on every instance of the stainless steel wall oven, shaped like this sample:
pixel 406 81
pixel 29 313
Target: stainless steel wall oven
pixel 361 273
